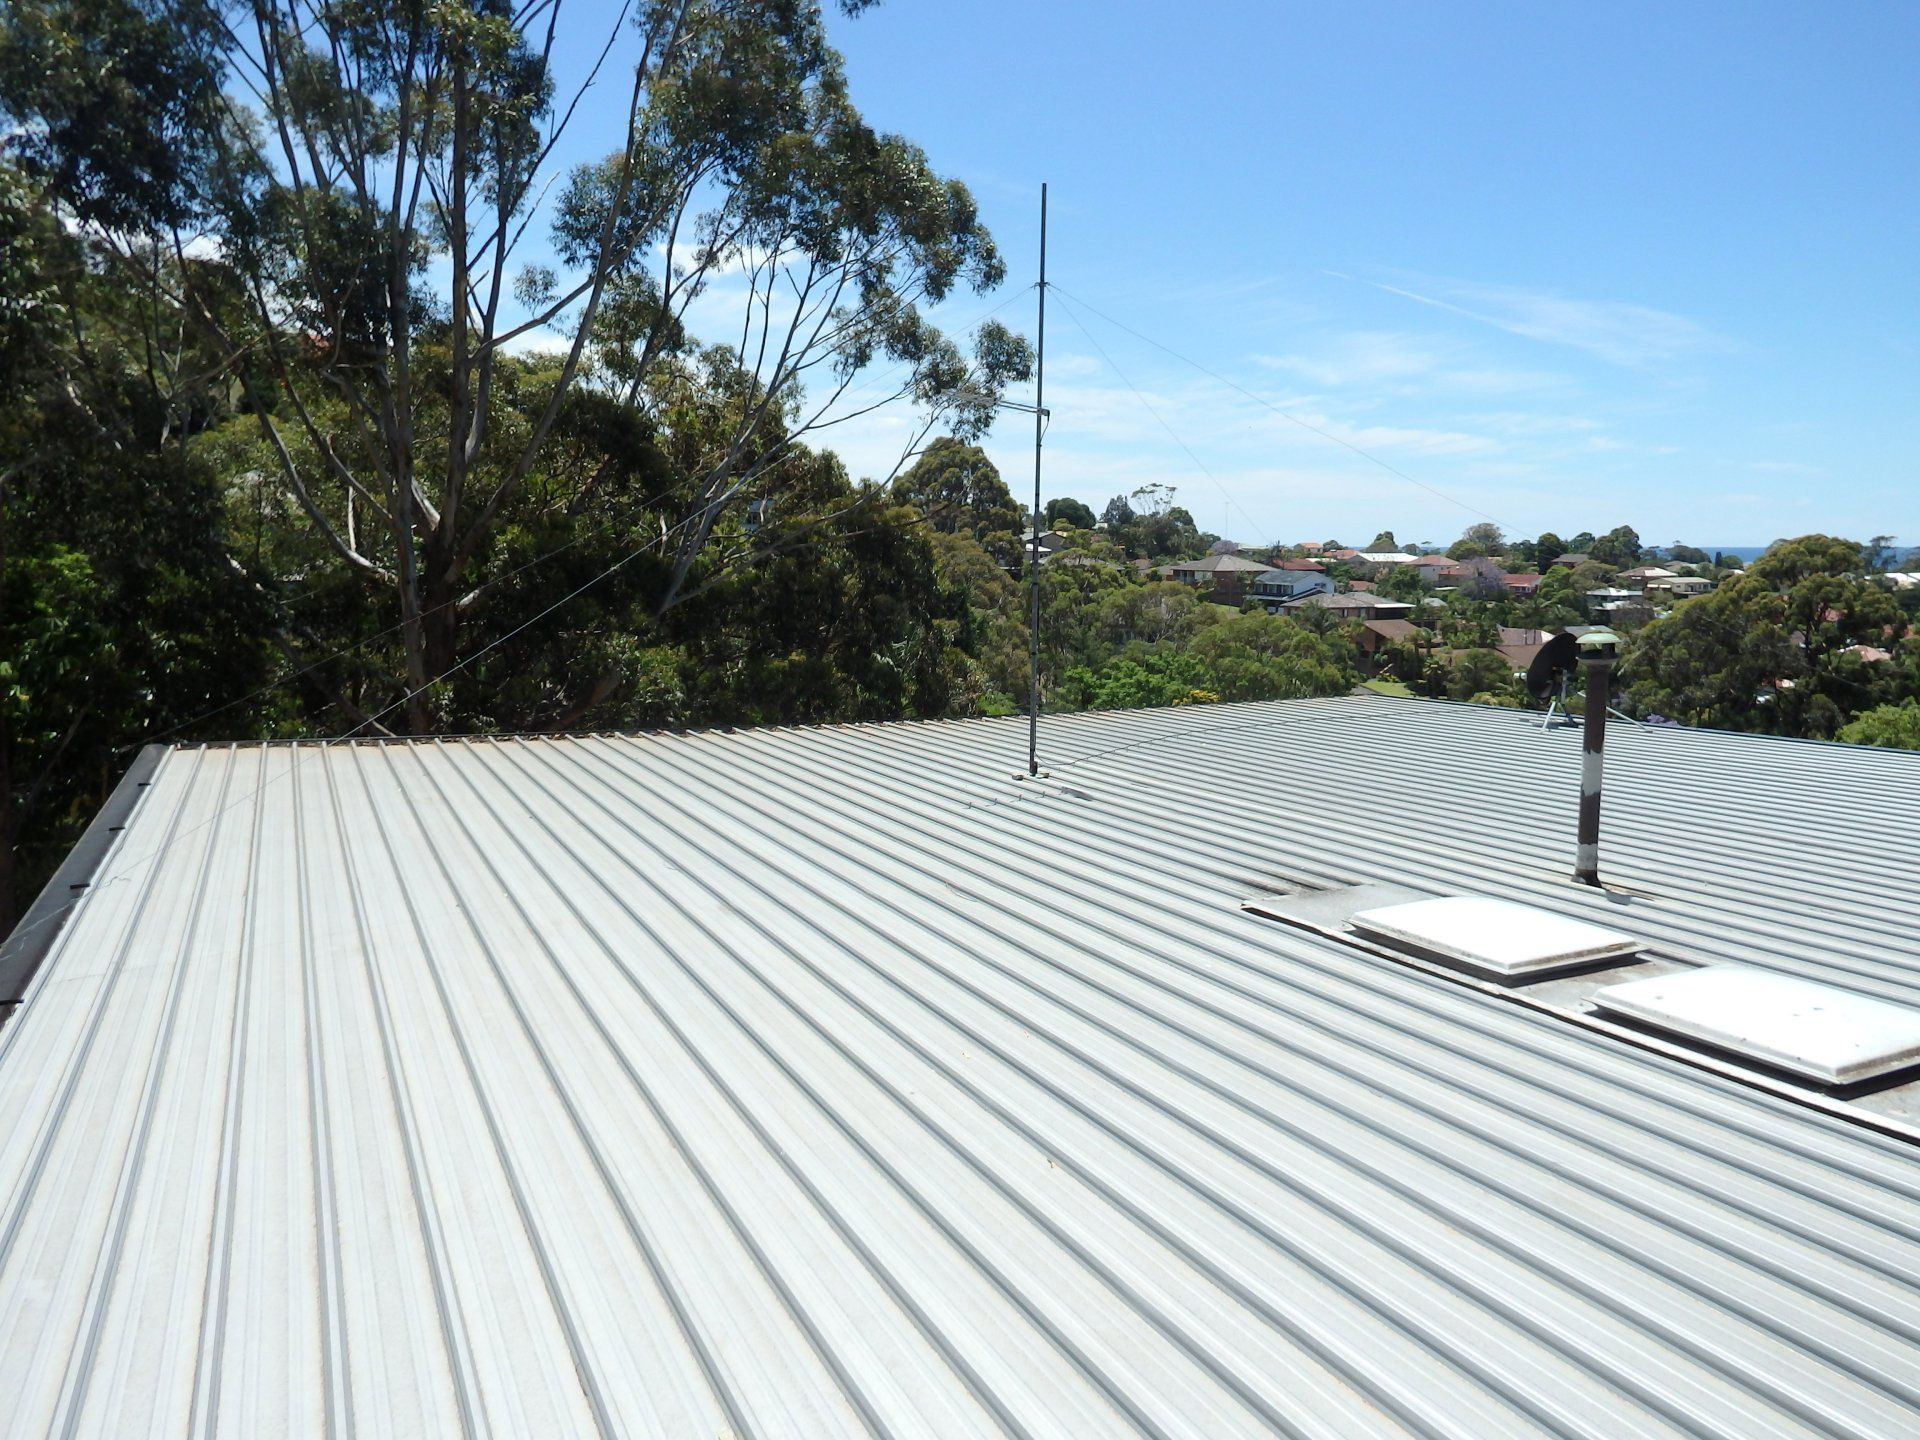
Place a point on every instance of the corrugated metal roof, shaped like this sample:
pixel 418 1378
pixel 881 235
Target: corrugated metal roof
pixel 821 1082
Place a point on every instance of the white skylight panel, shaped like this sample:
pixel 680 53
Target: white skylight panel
pixel 1819 1031
pixel 1497 937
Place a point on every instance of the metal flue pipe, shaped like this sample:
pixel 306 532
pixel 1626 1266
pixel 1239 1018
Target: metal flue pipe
pixel 1598 650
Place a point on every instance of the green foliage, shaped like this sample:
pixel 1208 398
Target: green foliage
pixel 1401 660
pixel 1065 510
pixel 1789 562
pixel 958 489
pixel 1147 524
pixel 1125 684
pixel 1257 656
pixel 1894 726
pixel 1880 554
pixel 1483 677
pixel 1556 588
pixel 1770 650
pixel 1401 582
pixel 1589 575
pixel 1619 547
pixel 1481 538
pixel 362 296
pixel 1154 613
pixel 121 615
pixel 117 104
pixel 54 645
pixel 1253 656
pixel 28 313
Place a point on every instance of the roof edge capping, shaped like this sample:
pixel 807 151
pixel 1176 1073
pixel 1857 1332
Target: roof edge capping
pixel 27 944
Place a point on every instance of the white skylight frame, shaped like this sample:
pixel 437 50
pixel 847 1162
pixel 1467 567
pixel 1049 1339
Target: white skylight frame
pixel 1496 937
pixel 1819 1032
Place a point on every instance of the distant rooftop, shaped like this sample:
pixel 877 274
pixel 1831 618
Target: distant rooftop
pixel 1370 601
pixel 1220 565
pixel 1395 629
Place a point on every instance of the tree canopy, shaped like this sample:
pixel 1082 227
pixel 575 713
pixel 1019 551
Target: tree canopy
pixel 958 488
pixel 1065 510
pixel 1773 649
pixel 1894 726
pixel 372 211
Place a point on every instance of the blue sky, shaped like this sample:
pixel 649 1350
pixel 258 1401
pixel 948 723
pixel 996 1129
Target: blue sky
pixel 1568 265
pixel 1561 266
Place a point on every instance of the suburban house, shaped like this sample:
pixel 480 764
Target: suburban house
pixel 1224 576
pixel 1571 560
pixel 1051 544
pixel 1520 585
pixel 1274 587
pixel 824 1081
pixel 1643 575
pixel 1376 635
pixel 1602 596
pixel 1314 565
pixel 1353 606
pixel 1680 587
pixel 1443 573
pixel 1521 646
pixel 1620 612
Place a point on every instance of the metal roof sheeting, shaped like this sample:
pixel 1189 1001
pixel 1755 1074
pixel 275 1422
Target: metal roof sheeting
pixel 823 1082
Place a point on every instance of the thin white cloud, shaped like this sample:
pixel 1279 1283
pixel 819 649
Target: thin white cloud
pixel 1360 358
pixel 1393 362
pixel 1616 331
pixel 1613 445
pixel 1521 422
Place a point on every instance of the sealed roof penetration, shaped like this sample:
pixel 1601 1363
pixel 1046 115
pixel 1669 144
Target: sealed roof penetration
pixel 801 1083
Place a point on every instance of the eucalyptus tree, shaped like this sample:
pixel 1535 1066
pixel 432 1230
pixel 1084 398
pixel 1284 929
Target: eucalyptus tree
pixel 1775 649
pixel 380 221
pixel 957 488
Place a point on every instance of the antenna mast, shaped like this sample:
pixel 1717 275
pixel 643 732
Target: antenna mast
pixel 1033 542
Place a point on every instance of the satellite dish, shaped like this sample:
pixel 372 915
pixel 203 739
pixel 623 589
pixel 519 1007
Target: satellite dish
pixel 1555 661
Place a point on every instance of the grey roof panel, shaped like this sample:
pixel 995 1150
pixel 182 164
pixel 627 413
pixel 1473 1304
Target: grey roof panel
pixel 827 1081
